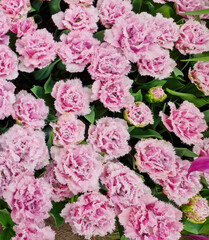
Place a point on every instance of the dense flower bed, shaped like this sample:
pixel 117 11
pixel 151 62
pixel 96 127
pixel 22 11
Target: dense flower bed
pixel 103 115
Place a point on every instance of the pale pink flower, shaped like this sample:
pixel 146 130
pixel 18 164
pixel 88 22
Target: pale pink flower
pixel 152 219
pixel 15 8
pixel 125 188
pixel 24 26
pixel 180 187
pixel 187 122
pixel 197 210
pixel 78 166
pixel 7 98
pixel 91 215
pixel 8 170
pixel 107 63
pixel 111 10
pixel 26 147
pixel 8 63
pixel 59 191
pixel 76 49
pixel 68 130
pixel 110 136
pixel 156 62
pixel 5 24
pixel 155 157
pixel 114 95
pixel 29 199
pixel 37 50
pixel 29 110
pixel 202 149
pixel 165 31
pixel 77 17
pixel 31 231
pixel 200 76
pixel 191 5
pixel 131 35
pixel 138 114
pixel 85 2
pixel 71 97
pixel 194 38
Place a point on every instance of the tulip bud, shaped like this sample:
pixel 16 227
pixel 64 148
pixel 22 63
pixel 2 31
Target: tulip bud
pixel 196 210
pixel 156 94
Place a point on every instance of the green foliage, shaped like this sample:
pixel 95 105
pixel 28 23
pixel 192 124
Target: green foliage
pixel 138 96
pixel 198 12
pixel 54 6
pixel 184 152
pixel 91 116
pixel 199 102
pixel 55 212
pixel 49 84
pixel 144 133
pixel 45 72
pixel 100 35
pixel 7 234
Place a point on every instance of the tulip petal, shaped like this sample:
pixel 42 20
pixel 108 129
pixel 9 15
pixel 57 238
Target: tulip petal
pixel 200 164
pixel 198 237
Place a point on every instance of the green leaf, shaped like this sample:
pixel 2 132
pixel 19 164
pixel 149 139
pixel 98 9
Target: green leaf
pixel 74 198
pixel 3 204
pixel 52 118
pixel 199 102
pixel 202 59
pixel 154 83
pixel 55 212
pixel 198 12
pixel 7 234
pixel 91 116
pixel 45 72
pixel 144 133
pixel 124 238
pixel 184 152
pixel 36 4
pixel 138 96
pixel 206 113
pixel 174 84
pixel 102 154
pixel 100 35
pixel 54 6
pixel 192 227
pixel 178 72
pixel 5 218
pixel 205 227
pixel 137 4
pixel 38 91
pixel 166 10
pixel 130 129
pixel 49 84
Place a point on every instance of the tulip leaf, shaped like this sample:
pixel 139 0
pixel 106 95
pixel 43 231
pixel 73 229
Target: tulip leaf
pixel 54 6
pixel 100 35
pixel 199 102
pixel 7 234
pixel 198 12
pixel 142 133
pixel 55 212
pixel 49 84
pixel 5 218
pixel 91 116
pixel 184 152
pixel 45 72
